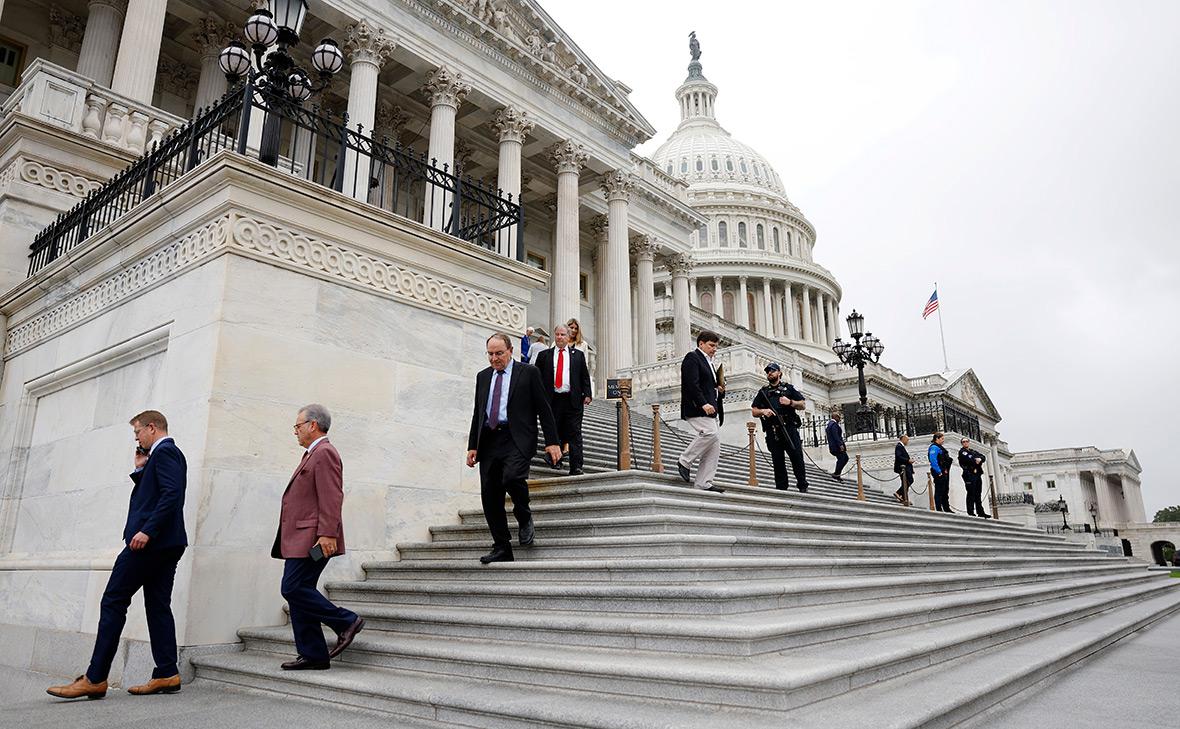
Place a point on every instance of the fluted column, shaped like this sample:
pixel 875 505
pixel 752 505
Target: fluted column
pixel 718 307
pixel 212 35
pixel 776 313
pixel 367 48
pixel 821 312
pixel 446 91
pixel 100 42
pixel 680 266
pixel 513 125
pixel 569 158
pixel 740 310
pixel 600 229
pixel 767 309
pixel 808 332
pixel 644 248
pixel 692 292
pixel 833 321
pixel 789 302
pixel 139 49
pixel 617 187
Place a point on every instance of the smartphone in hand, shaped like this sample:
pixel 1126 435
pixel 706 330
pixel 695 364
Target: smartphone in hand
pixel 316 553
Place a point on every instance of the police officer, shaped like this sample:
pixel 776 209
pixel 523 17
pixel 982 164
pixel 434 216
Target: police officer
pixel 940 464
pixel 971 461
pixel 777 405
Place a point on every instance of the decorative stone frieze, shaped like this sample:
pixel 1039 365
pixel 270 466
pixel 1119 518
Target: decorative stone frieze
pixel 37 173
pixel 445 87
pixel 213 34
pixel 365 42
pixel 65 29
pixel 512 124
pixel 176 78
pixel 568 156
pixel 618 185
pixel 391 121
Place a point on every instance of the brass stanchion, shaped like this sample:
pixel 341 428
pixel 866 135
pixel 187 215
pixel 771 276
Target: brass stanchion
pixel 860 481
pixel 905 489
pixel 624 421
pixel 991 482
pixel 930 489
pixel 657 457
pixel 753 480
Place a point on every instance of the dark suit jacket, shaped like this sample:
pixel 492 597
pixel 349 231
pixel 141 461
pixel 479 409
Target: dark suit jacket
pixel 901 459
pixel 698 386
pixel 527 402
pixel 835 437
pixel 312 504
pixel 580 385
pixel 157 501
pixel 967 462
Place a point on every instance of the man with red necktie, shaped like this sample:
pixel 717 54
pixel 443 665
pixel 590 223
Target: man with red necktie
pixel 567 382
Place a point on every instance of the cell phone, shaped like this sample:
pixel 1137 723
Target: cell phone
pixel 316 553
pixel 140 450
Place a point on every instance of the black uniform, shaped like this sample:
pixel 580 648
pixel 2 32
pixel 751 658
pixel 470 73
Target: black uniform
pixel 903 465
pixel 973 480
pixel 782 442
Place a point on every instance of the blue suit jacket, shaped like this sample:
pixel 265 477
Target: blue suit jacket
pixel 835 437
pixel 157 501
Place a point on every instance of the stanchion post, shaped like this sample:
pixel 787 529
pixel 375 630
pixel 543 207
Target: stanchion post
pixel 657 456
pixel 860 481
pixel 991 481
pixel 753 479
pixel 905 489
pixel 624 421
pixel 930 489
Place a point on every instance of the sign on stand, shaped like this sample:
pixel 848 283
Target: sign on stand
pixel 618 389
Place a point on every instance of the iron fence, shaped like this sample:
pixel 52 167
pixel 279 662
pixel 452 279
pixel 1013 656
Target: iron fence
pixel 924 417
pixel 318 148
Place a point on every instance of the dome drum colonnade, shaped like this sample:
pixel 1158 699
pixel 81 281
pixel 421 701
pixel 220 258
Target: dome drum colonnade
pixel 121 46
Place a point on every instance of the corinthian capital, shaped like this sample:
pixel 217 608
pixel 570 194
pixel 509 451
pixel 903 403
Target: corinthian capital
pixel 365 42
pixel 644 247
pixel 679 264
pixel 600 225
pixel 212 34
pixel 512 124
pixel 617 185
pixel 568 156
pixel 446 87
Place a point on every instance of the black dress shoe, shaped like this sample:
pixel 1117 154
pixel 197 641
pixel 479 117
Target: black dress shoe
pixel 498 554
pixel 526 534
pixel 577 472
pixel 716 489
pixel 802 488
pixel 302 664
pixel 684 472
pixel 345 639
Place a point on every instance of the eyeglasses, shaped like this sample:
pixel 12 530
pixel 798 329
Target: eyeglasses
pixel 302 422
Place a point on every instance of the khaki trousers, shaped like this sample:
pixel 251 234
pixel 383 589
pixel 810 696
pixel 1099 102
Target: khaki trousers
pixel 706 446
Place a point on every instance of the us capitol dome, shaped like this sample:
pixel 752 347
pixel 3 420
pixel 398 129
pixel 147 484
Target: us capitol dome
pixel 757 247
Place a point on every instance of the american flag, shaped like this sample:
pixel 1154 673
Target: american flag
pixel 931 305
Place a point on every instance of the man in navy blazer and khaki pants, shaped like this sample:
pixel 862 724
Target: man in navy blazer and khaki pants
pixel 155 540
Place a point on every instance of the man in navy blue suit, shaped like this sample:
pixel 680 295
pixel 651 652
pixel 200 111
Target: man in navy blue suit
pixel 155 540
pixel 836 443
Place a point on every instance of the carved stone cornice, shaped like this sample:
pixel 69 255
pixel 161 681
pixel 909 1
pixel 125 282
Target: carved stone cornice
pixel 599 225
pixel 213 34
pixel 644 247
pixel 366 43
pixel 445 87
pixel 512 124
pixel 175 77
pixel 618 185
pixel 679 265
pixel 568 156
pixel 65 29
pixel 42 175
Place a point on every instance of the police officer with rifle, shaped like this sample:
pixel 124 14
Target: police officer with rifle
pixel 777 405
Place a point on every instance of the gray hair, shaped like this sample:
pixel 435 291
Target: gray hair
pixel 319 414
pixel 561 327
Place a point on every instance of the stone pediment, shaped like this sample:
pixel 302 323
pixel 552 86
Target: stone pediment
pixel 967 387
pixel 526 33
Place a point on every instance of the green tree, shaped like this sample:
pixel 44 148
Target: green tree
pixel 1172 513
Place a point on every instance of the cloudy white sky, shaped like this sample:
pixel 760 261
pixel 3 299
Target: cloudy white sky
pixel 1023 154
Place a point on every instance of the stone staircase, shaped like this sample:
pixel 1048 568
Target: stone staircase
pixel 646 603
pixel 599 432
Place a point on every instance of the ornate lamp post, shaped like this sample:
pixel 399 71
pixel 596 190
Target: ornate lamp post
pixel 1063 507
pixel 857 355
pixel 279 26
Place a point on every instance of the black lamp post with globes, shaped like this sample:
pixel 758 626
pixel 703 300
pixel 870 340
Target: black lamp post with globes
pixel 857 355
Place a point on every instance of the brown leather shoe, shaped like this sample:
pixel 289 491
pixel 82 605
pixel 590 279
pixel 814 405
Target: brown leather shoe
pixel 168 685
pixel 79 688
pixel 345 639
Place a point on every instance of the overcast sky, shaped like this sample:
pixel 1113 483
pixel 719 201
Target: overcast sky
pixel 1023 154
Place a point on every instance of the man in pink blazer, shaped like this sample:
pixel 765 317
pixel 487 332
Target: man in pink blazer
pixel 310 524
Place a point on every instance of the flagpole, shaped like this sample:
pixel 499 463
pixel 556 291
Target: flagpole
pixel 946 365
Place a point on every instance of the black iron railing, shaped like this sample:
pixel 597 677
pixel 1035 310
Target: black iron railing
pixel 919 418
pixel 308 144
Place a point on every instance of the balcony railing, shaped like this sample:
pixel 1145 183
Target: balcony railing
pixel 320 149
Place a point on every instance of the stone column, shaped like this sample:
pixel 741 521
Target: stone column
pixel 599 227
pixel 789 301
pixel 692 292
pixel 367 48
pixel 808 332
pixel 740 310
pixel 776 314
pixel 821 313
pixel 513 125
pixel 644 248
pixel 212 36
pixel 569 158
pixel 767 309
pixel 617 187
pixel 718 307
pixel 680 266
pixel 100 43
pixel 833 321
pixel 139 49
pixel 446 91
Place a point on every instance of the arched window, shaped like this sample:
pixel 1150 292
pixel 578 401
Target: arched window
pixel 669 169
pixel 727 305
pixel 723 234
pixel 684 166
pixel 777 244
pixel 713 164
pixel 745 170
pixel 757 174
pixel 790 244
pixel 729 164
pixel 703 236
pixel 761 237
pixel 742 235
pixel 706 301
pixel 751 311
pixel 700 165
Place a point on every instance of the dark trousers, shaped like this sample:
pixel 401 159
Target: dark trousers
pixel 907 480
pixel 310 609
pixel 780 450
pixel 942 491
pixel 153 570
pixel 974 487
pixel 503 469
pixel 841 462
pixel 568 415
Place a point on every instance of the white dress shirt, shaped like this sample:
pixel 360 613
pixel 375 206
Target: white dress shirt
pixel 315 442
pixel 565 370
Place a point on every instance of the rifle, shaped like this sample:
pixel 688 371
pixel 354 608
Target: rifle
pixel 777 415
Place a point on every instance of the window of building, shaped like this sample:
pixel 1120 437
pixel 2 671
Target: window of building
pixel 745 170
pixel 706 301
pixel 723 234
pixel 751 313
pixel 700 165
pixel 713 164
pixel 583 288
pixel 790 244
pixel 727 305
pixel 1028 485
pixel 742 235
pixel 729 164
pixel 777 243
pixel 12 55
pixel 669 169
pixel 1050 484
pixel 761 237
pixel 684 166
pixel 536 260
pixel 703 236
